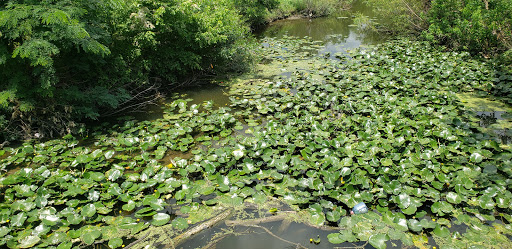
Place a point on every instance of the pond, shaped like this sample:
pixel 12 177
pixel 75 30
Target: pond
pixel 335 34
pixel 283 154
pixel 338 32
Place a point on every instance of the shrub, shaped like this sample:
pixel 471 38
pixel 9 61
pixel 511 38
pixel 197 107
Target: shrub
pixel 472 25
pixel 65 61
pixel 400 16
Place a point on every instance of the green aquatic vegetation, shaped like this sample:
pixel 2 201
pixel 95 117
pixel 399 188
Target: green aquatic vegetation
pixel 384 127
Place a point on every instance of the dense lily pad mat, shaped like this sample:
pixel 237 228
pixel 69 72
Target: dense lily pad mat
pixel 381 125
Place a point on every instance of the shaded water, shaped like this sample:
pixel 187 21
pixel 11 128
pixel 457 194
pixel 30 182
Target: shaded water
pixel 337 32
pixel 501 119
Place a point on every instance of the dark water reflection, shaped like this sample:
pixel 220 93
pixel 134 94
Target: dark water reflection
pixel 338 32
pixel 489 118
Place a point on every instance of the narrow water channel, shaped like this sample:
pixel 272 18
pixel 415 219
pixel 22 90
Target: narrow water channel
pixel 335 35
pixel 338 32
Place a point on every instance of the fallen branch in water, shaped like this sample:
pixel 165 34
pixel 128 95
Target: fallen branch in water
pixel 280 216
pixel 137 241
pixel 277 217
pixel 297 245
pixel 197 229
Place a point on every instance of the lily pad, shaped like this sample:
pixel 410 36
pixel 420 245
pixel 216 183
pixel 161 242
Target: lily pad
pixel 160 219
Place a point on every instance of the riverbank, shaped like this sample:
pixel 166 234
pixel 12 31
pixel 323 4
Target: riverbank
pixel 295 9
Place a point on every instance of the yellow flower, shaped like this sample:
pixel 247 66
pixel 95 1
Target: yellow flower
pixel 7 220
pixel 433 219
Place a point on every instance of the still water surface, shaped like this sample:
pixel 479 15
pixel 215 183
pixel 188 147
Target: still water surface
pixel 337 34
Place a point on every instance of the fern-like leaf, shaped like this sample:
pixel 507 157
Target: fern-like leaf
pixel 38 52
pixel 55 16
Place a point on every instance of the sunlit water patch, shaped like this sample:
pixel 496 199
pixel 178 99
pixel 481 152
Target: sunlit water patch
pixel 338 33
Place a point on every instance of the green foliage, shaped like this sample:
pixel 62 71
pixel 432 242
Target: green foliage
pixel 398 15
pixel 186 36
pixel 65 61
pixel 42 45
pixel 384 127
pixel 319 7
pixel 472 24
pixel 255 11
pixel 309 8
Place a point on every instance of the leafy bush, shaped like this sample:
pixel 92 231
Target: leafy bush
pixel 255 11
pixel 471 24
pixel 400 16
pixel 319 7
pixel 45 47
pixel 65 61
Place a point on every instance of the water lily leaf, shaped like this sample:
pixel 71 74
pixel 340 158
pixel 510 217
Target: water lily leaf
pixel 238 154
pixel 93 195
pixel 83 158
pixel 19 219
pixel 147 211
pixel 347 235
pixel 333 216
pixel 29 241
pixel 405 200
pixel 113 174
pixel 49 219
pixel 4 231
pixel 410 210
pixel 115 243
pixel 180 223
pixel 441 208
pixel 95 176
pixel 476 157
pixel 414 225
pixel 24 205
pixel 379 240
pixel 88 210
pixel 386 162
pixel 453 198
pixel 157 204
pixel 129 206
pixel 65 245
pixel 75 219
pixel 90 236
pixel 317 219
pixel 486 202
pixel 160 219
pixel 335 238
pixel 259 198
pixel 109 154
pixel 441 231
